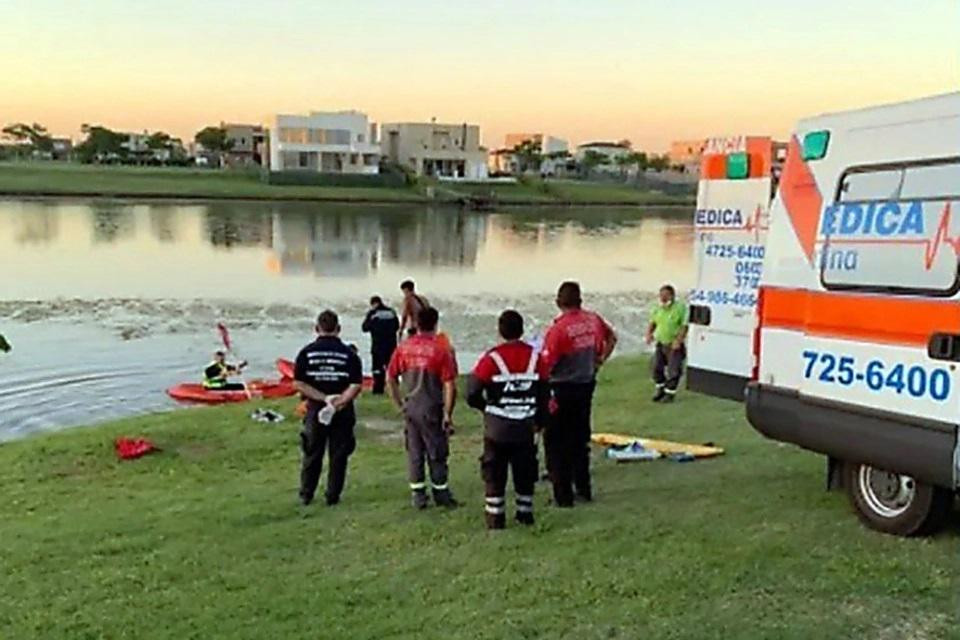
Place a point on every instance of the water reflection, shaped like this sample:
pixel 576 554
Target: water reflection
pixel 200 244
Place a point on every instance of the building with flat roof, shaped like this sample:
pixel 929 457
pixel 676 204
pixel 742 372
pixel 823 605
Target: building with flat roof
pixel 450 151
pixel 324 142
pixel 248 144
pixel 687 154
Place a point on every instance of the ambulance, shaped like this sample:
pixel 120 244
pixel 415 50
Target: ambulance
pixel 856 344
pixel 738 178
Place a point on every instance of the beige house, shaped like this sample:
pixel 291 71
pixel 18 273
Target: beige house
pixel 248 143
pixel 449 151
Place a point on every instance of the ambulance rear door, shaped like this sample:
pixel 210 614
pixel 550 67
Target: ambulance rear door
pixel 730 224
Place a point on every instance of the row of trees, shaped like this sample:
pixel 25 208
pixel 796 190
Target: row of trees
pixel 529 157
pixel 102 144
pixel 27 139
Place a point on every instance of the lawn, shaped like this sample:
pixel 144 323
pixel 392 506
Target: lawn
pixel 77 179
pixel 56 178
pixel 206 540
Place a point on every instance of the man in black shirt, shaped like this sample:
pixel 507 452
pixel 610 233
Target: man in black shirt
pixel 383 325
pixel 329 375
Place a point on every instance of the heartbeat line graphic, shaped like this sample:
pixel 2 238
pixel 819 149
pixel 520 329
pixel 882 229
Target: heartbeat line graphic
pixel 757 223
pixel 931 246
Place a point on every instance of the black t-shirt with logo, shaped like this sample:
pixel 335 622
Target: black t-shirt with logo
pixel 330 367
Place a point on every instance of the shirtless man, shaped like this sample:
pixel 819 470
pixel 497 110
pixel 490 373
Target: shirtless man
pixel 413 304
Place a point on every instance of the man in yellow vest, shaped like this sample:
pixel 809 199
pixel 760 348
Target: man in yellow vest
pixel 216 375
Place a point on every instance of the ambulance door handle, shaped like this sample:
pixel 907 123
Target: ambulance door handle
pixel 944 346
pixel 700 314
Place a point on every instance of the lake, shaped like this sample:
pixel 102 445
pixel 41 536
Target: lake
pixel 108 303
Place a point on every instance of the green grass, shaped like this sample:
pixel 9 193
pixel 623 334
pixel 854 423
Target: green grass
pixel 76 179
pixel 205 540
pixel 57 178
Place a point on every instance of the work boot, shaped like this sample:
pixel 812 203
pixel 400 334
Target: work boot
pixel 660 395
pixel 668 398
pixel 495 520
pixel 443 498
pixel 332 500
pixel 420 500
pixel 305 499
pixel 525 517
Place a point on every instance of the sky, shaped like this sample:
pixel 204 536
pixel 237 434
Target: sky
pixel 650 71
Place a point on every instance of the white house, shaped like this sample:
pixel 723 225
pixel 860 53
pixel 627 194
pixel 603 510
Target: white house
pixel 325 142
pixel 612 150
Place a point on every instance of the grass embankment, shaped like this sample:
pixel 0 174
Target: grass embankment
pixel 206 540
pixel 66 179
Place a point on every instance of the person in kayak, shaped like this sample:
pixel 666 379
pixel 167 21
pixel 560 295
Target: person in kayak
pixel 413 304
pixel 216 375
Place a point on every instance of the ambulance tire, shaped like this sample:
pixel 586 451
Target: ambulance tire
pixel 896 504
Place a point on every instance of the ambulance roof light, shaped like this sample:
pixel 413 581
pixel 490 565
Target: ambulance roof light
pixel 738 166
pixel 815 145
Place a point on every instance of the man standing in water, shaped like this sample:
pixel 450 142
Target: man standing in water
pixel 413 304
pixel 668 328
pixel 383 326
pixel 427 401
pixel 575 347
pixel 329 374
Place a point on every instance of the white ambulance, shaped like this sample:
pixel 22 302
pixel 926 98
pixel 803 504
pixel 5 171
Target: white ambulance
pixel 857 341
pixel 737 181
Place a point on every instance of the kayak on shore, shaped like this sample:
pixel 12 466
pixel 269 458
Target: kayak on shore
pixel 256 390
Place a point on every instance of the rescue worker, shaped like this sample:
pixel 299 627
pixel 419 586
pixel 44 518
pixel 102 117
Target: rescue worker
pixel 413 304
pixel 383 326
pixel 217 374
pixel 506 386
pixel 575 346
pixel 668 329
pixel 328 373
pixel 427 401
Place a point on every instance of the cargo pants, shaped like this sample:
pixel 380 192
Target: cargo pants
pixel 668 367
pixel 567 442
pixel 427 444
pixel 315 440
pixel 497 460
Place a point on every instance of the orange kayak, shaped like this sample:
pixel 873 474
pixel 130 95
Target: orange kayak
pixel 256 390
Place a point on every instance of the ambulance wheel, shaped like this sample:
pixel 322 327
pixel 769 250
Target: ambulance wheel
pixel 894 503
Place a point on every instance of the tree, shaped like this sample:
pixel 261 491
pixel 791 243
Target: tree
pixel 591 160
pixel 33 137
pixel 213 139
pixel 529 155
pixel 101 144
pixel 159 140
pixel 659 163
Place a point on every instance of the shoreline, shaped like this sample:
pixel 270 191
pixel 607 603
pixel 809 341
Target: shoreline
pixel 168 197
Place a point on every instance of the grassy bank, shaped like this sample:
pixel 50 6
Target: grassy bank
pixel 206 540
pixel 52 179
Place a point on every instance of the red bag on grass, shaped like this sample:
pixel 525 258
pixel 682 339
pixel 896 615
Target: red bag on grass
pixel 132 448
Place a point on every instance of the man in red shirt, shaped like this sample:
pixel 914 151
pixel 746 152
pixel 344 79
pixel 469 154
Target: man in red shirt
pixel 506 386
pixel 427 399
pixel 575 347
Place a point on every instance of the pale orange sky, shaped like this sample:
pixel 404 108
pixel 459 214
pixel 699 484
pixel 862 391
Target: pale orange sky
pixel 644 70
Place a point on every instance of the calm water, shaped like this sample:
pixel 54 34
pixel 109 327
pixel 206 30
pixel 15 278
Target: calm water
pixel 109 303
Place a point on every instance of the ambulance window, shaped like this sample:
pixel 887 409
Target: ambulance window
pixel 864 186
pixel 892 246
pixel 939 181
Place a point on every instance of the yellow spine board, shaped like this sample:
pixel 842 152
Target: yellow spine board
pixel 663 446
